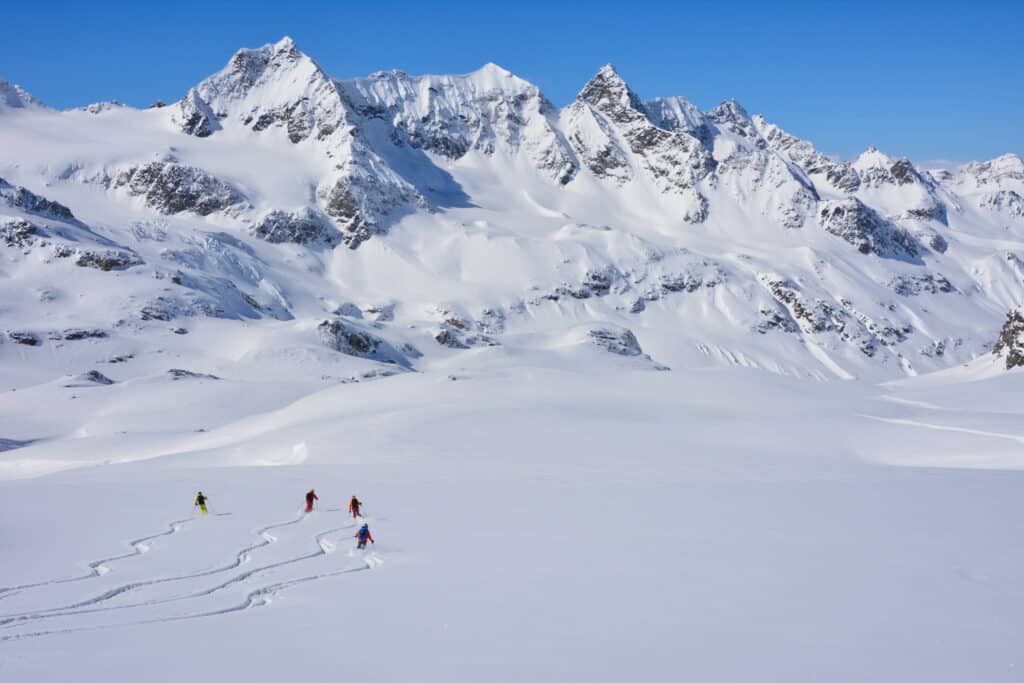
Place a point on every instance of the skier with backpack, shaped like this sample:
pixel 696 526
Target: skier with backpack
pixel 201 502
pixel 355 507
pixel 364 535
pixel 310 497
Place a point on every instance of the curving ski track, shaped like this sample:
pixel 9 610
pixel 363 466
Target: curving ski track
pixel 256 598
pixel 99 567
pixel 240 558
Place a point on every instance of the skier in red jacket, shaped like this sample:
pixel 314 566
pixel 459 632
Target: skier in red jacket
pixel 310 497
pixel 355 507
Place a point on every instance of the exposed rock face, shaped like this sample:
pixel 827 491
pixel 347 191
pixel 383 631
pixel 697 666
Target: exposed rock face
pixel 17 232
pixel 1011 340
pixel 675 160
pixel 195 117
pixel 347 338
pixel 451 115
pixel 861 226
pixel 305 226
pixel 78 334
pixel 277 90
pixel 617 340
pixel 912 285
pixel 1005 201
pixel 171 188
pixel 92 378
pixel 840 175
pixel 107 260
pixel 24 338
pixel 18 197
pixel 701 274
pixel 177 374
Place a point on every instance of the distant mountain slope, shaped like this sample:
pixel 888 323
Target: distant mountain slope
pixel 403 220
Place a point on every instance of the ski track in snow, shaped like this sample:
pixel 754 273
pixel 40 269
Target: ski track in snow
pixel 256 598
pixel 99 567
pixel 947 428
pixel 240 558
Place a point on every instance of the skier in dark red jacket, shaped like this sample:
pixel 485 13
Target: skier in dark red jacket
pixel 310 497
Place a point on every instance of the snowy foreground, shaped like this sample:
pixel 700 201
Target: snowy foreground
pixel 533 523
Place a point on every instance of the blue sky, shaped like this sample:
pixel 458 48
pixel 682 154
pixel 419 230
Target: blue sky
pixel 936 80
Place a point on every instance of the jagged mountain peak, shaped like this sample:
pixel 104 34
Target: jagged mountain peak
pixel 872 157
pixel 608 92
pixel 13 96
pixel 729 111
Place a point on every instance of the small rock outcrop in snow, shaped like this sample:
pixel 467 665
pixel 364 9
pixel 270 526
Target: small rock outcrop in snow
pixel 617 340
pixel 1011 339
pixel 345 337
pixel 18 197
pixel 171 188
pixel 107 260
pixel 178 374
pixel 92 378
pixel 305 226
pixel 24 338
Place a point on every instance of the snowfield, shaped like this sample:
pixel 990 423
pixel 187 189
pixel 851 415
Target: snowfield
pixel 630 391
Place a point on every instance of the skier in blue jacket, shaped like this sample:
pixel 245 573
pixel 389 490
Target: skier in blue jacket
pixel 364 535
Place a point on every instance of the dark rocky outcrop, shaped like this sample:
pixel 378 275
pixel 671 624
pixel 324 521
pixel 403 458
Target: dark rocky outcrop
pixel 78 334
pixel 18 197
pixel 1007 201
pixel 306 227
pixel 195 117
pixel 24 338
pixel 17 232
pixel 171 188
pixel 92 378
pixel 178 374
pixel 615 340
pixel 861 226
pixel 927 283
pixel 107 260
pixel 347 338
pixel 1011 339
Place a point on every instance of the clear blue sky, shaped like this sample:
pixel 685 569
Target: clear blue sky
pixel 931 80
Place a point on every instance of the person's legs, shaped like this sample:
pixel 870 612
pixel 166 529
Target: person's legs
pixel 202 507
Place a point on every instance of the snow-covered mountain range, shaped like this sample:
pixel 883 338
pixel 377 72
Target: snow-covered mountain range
pixel 277 213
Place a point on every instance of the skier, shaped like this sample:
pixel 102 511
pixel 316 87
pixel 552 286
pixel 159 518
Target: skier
pixel 364 535
pixel 310 497
pixel 354 507
pixel 201 502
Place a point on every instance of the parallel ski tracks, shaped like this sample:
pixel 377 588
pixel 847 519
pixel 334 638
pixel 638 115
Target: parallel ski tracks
pixel 255 598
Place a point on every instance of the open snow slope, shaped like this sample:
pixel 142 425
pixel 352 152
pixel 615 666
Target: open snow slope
pixel 584 366
pixel 532 523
